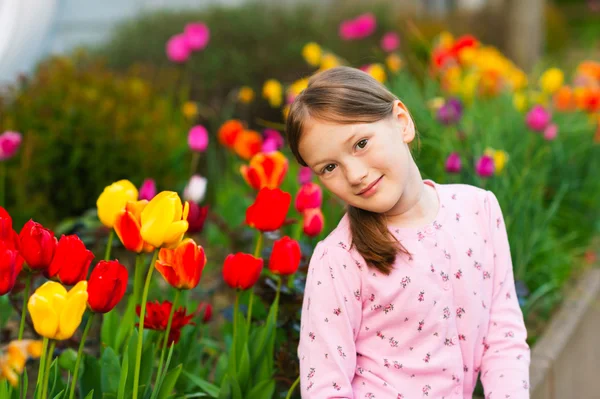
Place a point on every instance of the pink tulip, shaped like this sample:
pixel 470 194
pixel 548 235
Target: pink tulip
pixel 178 49
pixel 537 118
pixel 147 190
pixel 269 145
pixel 9 144
pixel 305 175
pixel 551 132
pixel 274 135
pixel 198 138
pixel 197 35
pixel 453 163
pixel 390 42
pixel 485 166
pixel 359 28
pixel 313 222
pixel 309 196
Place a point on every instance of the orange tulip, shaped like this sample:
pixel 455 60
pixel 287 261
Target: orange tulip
pixel 182 267
pixel 247 144
pixel 128 225
pixel 265 170
pixel 229 131
pixel 563 99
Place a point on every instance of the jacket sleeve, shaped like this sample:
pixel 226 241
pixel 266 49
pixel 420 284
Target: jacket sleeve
pixel 330 321
pixel 505 363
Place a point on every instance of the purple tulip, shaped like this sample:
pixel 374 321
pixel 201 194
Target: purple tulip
pixel 147 190
pixel 272 134
pixel 197 35
pixel 537 118
pixel 450 112
pixel 485 166
pixel 9 144
pixel 362 26
pixel 390 42
pixel 198 138
pixel 305 175
pixel 550 132
pixel 453 163
pixel 178 49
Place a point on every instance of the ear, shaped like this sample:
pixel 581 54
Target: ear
pixel 404 121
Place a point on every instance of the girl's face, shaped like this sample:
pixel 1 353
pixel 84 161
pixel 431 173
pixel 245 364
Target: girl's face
pixel 367 165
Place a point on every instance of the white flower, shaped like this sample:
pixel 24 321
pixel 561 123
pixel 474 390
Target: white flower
pixel 195 189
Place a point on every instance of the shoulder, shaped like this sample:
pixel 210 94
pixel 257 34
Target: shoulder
pixel 465 196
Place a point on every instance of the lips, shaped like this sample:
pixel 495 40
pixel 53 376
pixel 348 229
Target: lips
pixel 364 190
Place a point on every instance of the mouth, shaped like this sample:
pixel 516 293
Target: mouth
pixel 370 186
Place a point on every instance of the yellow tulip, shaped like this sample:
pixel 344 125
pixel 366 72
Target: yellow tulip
pixel 500 158
pixel 394 63
pixel 312 53
pixel 12 361
pixel 56 313
pixel 246 95
pixel 329 61
pixel 190 109
pixel 378 72
pixel 551 80
pixel 273 92
pixel 164 220
pixel 113 199
pixel 520 102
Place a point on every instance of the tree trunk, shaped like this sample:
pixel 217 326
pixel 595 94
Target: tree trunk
pixel 524 31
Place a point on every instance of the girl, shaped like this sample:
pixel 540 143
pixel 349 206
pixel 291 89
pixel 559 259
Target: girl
pixel 412 295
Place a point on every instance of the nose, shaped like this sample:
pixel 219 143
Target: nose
pixel 356 173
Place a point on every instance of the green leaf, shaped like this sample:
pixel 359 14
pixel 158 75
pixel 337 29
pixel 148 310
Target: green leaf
pixel 91 378
pixel 111 371
pixel 147 366
pixel 123 377
pixel 60 394
pixel 90 395
pixel 169 382
pixel 126 324
pixel 244 368
pixel 262 390
pixel 211 389
pixel 236 390
pixel 110 325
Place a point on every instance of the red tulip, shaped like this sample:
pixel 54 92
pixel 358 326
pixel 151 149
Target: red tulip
pixel 269 209
pixel 11 264
pixel 314 221
pixel 196 217
pixel 309 196
pixel 71 261
pixel 182 267
pixel 157 317
pixel 242 270
pixel 106 286
pixel 206 310
pixel 285 257
pixel 128 224
pixel 37 245
pixel 7 233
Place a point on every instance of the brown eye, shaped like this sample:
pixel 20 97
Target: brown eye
pixel 329 168
pixel 362 144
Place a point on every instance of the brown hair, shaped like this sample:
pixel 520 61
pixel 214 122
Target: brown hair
pixel 347 96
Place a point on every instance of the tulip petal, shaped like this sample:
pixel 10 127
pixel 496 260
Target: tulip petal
pixel 175 232
pixel 44 316
pixel 128 231
pixel 70 317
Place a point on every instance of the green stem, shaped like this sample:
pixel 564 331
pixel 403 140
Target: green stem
pixel 41 369
pixel 194 163
pixel 79 355
pixel 138 357
pixel 257 251
pixel 236 310
pixel 109 244
pixel 165 341
pixel 289 394
pixel 47 371
pixel 138 277
pixel 24 309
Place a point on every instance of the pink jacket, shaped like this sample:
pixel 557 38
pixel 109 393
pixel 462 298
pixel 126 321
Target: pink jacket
pixel 446 313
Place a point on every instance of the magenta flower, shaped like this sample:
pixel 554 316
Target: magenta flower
pixel 453 163
pixel 485 166
pixel 178 49
pixel 304 175
pixel 147 190
pixel 450 112
pixel 390 42
pixel 198 138
pixel 272 134
pixel 537 118
pixel 197 35
pixel 550 132
pixel 9 144
pixel 362 26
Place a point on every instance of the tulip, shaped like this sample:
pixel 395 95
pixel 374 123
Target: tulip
pixel 198 138
pixel 164 220
pixel 305 175
pixel 197 36
pixel 11 264
pixel 358 28
pixel 206 310
pixel 453 163
pixel 71 261
pixel 551 132
pixel 265 170
pixel 285 257
pixel 182 267
pixel 195 190
pixel 157 318
pixel 6 230
pixel 229 131
pixel 13 359
pixel 113 199
pixel 537 118
pixel 128 227
pixel 56 313
pixel 273 141
pixel 273 93
pixel 309 196
pixel 106 286
pixel 247 144
pixel 377 72
pixel 196 217
pixel 189 109
pixel 500 158
pixel 450 112
pixel 241 271
pixel 178 49
pixel 314 221
pixel 390 42
pixel 9 144
pixel 312 53
pixel 37 245
pixel 551 80
pixel 268 211
pixel 393 62
pixel 246 94
pixel 148 190
pixel 485 166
